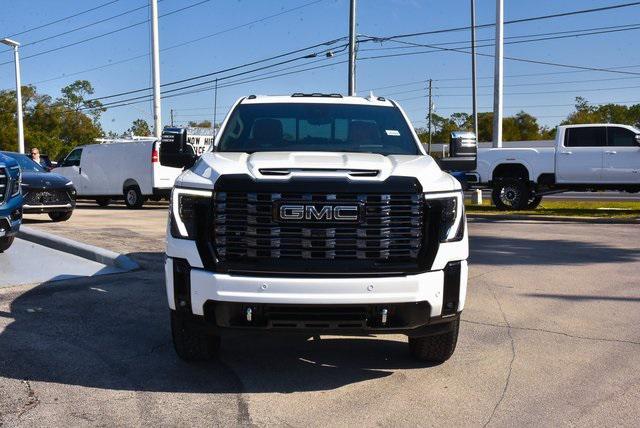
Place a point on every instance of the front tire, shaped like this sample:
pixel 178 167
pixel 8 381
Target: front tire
pixel 437 348
pixel 5 243
pixel 133 197
pixel 510 194
pixel 59 216
pixel 191 340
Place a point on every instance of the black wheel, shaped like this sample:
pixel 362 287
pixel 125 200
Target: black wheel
pixel 5 243
pixel 510 194
pixel 103 202
pixel 60 215
pixel 133 197
pixel 191 340
pixel 533 202
pixel 436 349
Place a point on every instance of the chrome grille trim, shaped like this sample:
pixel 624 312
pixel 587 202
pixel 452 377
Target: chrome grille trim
pixel 390 229
pixel 4 184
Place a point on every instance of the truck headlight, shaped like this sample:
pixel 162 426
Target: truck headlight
pixel 451 209
pixel 17 184
pixel 185 206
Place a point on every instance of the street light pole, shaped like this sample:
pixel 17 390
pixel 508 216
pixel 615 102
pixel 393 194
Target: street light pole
pixel 16 59
pixel 352 48
pixel 157 113
pixel 498 75
pixel 474 94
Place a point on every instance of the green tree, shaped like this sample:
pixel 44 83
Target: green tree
pixel 139 127
pixel 605 113
pixel 55 127
pixel 201 124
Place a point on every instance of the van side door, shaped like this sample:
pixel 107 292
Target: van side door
pixel 621 156
pixel 579 157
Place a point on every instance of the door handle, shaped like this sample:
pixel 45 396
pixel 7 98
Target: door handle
pixel 567 153
pixel 611 152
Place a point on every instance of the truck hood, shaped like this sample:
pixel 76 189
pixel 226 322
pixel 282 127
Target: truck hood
pixel 286 165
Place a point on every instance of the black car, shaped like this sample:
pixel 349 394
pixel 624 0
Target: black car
pixel 43 191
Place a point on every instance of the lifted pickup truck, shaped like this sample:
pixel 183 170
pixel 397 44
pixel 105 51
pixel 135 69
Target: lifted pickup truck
pixel 316 214
pixel 10 201
pixel 585 158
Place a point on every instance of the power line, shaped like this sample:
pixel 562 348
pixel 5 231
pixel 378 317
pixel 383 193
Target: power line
pixel 117 30
pixel 513 21
pixel 517 59
pixel 529 93
pixel 63 19
pixel 282 55
pixel 567 33
pixel 283 62
pixel 73 30
pixel 138 100
pixel 392 38
pixel 226 30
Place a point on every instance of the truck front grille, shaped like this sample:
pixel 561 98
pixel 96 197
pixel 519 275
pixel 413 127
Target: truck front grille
pixel 355 227
pixel 4 184
pixel 389 227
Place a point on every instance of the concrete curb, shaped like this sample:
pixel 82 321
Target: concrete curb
pixel 596 220
pixel 79 249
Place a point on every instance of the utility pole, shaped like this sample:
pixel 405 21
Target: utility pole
pixel 352 48
pixel 498 75
pixel 473 69
pixel 16 59
pixel 430 114
pixel 157 112
pixel 172 118
pixel 215 107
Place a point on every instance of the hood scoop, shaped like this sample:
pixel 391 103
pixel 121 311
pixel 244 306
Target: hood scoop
pixel 282 172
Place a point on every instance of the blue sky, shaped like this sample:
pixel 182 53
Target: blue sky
pixel 548 94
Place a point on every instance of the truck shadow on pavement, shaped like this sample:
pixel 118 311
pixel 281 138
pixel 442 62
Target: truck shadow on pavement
pixel 499 250
pixel 112 332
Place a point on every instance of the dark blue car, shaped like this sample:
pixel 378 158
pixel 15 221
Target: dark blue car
pixel 10 201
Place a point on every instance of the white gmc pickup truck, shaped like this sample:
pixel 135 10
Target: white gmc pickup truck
pixel 585 157
pixel 315 214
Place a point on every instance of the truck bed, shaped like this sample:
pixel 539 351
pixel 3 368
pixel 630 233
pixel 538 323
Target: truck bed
pixel 537 160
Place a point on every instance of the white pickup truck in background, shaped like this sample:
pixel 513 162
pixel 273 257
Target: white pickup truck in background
pixel 585 158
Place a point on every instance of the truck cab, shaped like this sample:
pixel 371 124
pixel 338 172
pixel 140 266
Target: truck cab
pixel 314 214
pixel 10 201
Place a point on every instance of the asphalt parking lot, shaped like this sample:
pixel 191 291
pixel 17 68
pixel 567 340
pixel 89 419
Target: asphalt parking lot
pixel 549 337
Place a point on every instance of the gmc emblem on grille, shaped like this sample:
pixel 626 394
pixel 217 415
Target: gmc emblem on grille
pixel 290 212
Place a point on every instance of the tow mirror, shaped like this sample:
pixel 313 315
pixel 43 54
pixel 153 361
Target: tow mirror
pixel 463 152
pixel 174 149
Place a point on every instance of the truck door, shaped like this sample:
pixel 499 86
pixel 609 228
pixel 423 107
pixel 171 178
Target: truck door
pixel 70 168
pixel 579 157
pixel 621 156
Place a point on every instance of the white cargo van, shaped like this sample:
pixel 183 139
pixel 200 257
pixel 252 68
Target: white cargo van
pixel 113 169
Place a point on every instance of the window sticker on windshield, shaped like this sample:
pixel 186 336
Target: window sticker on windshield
pixel 393 132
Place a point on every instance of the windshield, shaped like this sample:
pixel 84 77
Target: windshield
pixel 26 164
pixel 318 127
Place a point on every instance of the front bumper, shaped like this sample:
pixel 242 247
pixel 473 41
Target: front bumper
pixel 41 209
pixel 418 301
